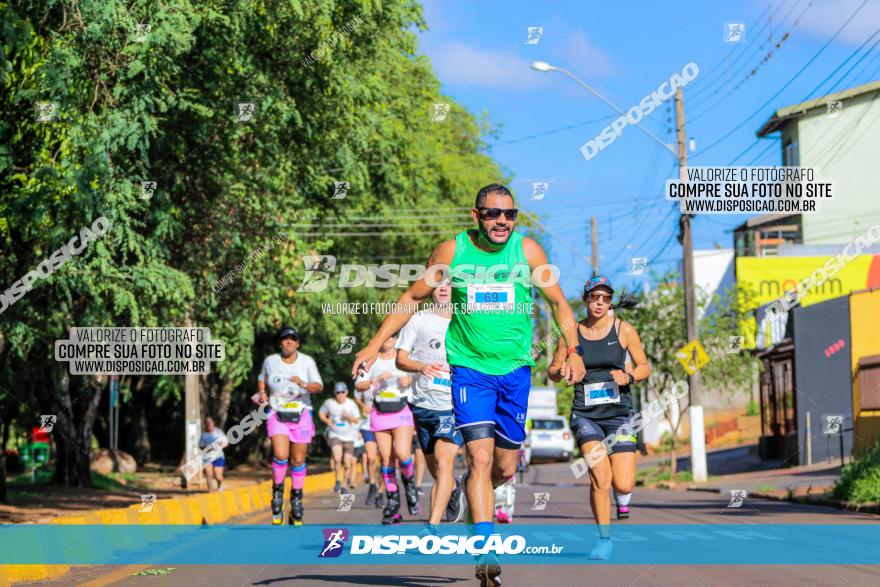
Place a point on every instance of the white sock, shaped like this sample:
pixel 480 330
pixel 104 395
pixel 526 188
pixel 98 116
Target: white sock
pixel 623 499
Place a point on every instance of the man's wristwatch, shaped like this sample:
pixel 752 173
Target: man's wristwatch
pixel 632 379
pixel 575 349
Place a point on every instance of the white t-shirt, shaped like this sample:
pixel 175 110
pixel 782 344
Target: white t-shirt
pixel 424 338
pixel 284 394
pixel 384 390
pixel 342 428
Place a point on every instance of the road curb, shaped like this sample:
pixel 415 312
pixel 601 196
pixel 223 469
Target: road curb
pixel 865 508
pixel 202 508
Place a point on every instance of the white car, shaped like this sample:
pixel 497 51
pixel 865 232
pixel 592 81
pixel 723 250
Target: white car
pixel 550 438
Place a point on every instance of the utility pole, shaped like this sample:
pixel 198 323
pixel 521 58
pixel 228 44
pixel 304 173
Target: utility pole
pixel 698 437
pixel 594 238
pixel 193 427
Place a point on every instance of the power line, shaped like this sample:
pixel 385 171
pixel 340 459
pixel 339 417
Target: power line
pixel 708 82
pixel 770 145
pixel 786 84
pixel 752 73
pixel 551 132
pixel 838 68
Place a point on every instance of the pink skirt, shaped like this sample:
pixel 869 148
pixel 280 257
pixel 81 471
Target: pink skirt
pixel 380 421
pixel 300 432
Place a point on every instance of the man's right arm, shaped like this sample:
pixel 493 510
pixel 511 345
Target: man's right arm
pixel 407 305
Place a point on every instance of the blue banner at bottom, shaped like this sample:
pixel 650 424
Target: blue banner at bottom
pixel 722 544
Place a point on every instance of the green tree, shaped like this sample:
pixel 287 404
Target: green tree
pixel 163 106
pixel 660 321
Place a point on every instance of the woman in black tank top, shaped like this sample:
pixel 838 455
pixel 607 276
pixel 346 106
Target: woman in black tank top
pixel 602 405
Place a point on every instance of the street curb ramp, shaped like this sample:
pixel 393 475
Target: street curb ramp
pixel 201 508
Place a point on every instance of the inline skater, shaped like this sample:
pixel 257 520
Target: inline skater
pixel 391 421
pixel 603 402
pixel 287 380
pixel 421 350
pixel 488 344
pixel 363 397
pixel 341 415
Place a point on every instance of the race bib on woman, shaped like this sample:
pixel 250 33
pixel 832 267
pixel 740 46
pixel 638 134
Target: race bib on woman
pixel 605 392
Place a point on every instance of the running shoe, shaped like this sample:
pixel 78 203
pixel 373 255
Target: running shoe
pixel 455 506
pixel 336 487
pixel 488 570
pixel 412 495
pixel 277 504
pixel 622 512
pixel 602 551
pixel 391 512
pixel 296 507
pixel 371 494
pixel 502 516
pixel 380 500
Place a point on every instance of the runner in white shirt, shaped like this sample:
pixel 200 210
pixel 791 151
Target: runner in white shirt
pixel 392 422
pixel 287 381
pixel 421 350
pixel 341 415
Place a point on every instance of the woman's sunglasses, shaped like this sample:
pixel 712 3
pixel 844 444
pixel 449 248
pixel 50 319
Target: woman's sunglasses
pixel 495 213
pixel 599 297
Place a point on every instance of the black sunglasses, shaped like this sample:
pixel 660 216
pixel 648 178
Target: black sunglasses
pixel 495 213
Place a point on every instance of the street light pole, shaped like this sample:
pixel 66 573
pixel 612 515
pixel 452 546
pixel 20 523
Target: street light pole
pixel 542 66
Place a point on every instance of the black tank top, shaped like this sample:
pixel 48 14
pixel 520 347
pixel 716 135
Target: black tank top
pixel 600 358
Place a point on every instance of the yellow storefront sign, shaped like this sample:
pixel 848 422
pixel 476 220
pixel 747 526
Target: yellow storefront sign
pixel 770 277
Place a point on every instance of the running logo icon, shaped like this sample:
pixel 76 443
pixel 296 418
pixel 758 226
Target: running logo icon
pixel 539 190
pixel 832 424
pixel 340 190
pixel 440 112
pixel 141 31
pixel 734 32
pixel 541 501
pixel 148 188
pixel 334 540
pixel 735 344
pixel 737 496
pixel 246 111
pixel 534 36
pixel 638 266
pixel 833 108
pixel 147 502
pixel 446 424
pixel 47 422
pixel 318 268
pixel 346 345
pixel 46 111
pixel 346 500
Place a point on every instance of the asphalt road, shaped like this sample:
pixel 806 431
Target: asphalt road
pixel 568 504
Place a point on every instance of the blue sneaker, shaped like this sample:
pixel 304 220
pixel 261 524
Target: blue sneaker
pixel 603 549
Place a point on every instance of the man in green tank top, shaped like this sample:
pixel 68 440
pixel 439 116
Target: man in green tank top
pixel 492 271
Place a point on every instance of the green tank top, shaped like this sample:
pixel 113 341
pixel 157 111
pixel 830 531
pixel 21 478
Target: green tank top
pixel 491 327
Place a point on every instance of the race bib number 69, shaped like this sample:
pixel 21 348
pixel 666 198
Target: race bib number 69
pixel 490 297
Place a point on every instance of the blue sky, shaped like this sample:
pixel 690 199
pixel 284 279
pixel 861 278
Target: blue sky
pixel 625 51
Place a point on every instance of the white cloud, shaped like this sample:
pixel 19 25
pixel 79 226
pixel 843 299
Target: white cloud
pixel 458 64
pixel 825 17
pixel 584 56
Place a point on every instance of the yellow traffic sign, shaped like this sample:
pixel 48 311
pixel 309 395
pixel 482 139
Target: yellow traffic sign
pixel 692 357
